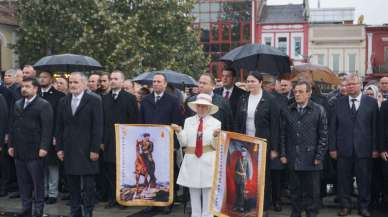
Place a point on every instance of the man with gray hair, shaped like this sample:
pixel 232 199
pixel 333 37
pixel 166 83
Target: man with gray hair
pixel 353 144
pixel 10 83
pixel 79 136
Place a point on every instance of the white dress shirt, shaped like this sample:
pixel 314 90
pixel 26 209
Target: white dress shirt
pixel 75 100
pixel 253 101
pixel 357 102
pixel 160 95
pixel 28 101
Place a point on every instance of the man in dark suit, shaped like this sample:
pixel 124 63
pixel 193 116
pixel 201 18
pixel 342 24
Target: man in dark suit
pixel 50 94
pixel 30 137
pixel 353 143
pixel 119 107
pixel 224 115
pixel 383 142
pixel 230 91
pixel 160 107
pixel 10 83
pixel 304 136
pixel 79 136
pixel 3 149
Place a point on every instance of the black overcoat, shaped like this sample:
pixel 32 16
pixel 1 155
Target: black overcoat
pixel 79 134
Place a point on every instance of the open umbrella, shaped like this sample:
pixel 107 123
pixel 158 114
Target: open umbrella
pixel 316 72
pixel 67 63
pixel 176 79
pixel 259 57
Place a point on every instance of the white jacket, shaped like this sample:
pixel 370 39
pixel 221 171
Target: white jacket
pixel 198 172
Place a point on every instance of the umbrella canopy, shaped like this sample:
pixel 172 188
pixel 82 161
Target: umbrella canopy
pixel 316 72
pixel 176 79
pixel 259 57
pixel 67 63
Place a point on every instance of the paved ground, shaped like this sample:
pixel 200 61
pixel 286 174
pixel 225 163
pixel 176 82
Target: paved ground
pixel 8 207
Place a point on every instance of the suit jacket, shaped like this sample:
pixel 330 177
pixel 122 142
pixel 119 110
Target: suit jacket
pixel 16 91
pixel 52 96
pixel 122 110
pixel 79 134
pixel 233 98
pixel 383 127
pixel 31 128
pixel 224 113
pixel 354 136
pixel 267 119
pixel 304 137
pixel 4 120
pixel 166 111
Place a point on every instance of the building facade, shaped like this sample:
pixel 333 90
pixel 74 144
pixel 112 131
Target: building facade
pixel 8 37
pixel 377 49
pixel 286 28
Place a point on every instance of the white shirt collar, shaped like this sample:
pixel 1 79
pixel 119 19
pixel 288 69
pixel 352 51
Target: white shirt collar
pixel 116 91
pixel 358 98
pixel 45 90
pixel 29 100
pixel 230 89
pixel 79 97
pixel 160 95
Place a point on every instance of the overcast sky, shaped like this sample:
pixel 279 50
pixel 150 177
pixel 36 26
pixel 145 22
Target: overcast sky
pixel 374 11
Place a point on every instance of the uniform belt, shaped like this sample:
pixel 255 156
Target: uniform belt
pixel 206 148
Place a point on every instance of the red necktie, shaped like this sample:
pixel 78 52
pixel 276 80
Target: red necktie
pixel 227 94
pixel 198 145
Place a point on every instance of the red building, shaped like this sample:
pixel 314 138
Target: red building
pixel 224 25
pixel 285 27
pixel 377 50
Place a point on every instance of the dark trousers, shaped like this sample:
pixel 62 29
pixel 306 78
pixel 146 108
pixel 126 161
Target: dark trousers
pixel 304 191
pixel 101 180
pixel 377 180
pixel 8 175
pixel 30 175
pixel 347 167
pixel 276 185
pixel 82 191
pixel 110 176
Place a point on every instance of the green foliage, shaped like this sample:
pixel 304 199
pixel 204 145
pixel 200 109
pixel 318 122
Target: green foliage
pixel 130 35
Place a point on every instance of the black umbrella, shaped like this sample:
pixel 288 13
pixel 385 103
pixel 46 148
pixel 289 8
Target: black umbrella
pixel 67 63
pixel 176 79
pixel 259 57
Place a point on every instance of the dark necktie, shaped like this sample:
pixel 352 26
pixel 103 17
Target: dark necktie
pixel 26 102
pixel 227 95
pixel 114 95
pixel 300 110
pixel 353 108
pixel 157 98
pixel 198 145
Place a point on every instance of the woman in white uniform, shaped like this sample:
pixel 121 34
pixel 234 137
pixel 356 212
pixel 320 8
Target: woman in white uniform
pixel 198 139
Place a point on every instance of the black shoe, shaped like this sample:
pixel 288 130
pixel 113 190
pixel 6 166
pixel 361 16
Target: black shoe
pixel 277 207
pixel 296 214
pixel 3 193
pixel 25 213
pixel 364 213
pixel 14 195
pixel 110 205
pixel 65 197
pixel 38 213
pixel 151 209
pixel 51 200
pixel 167 210
pixel 311 214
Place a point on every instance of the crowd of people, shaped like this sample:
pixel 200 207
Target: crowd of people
pixel 59 137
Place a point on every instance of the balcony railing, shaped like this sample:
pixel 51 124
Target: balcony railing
pixel 380 68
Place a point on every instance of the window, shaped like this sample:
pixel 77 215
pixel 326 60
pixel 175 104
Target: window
pixel 268 41
pixel 385 54
pixel 336 62
pixel 297 46
pixel 321 59
pixel 282 44
pixel 352 62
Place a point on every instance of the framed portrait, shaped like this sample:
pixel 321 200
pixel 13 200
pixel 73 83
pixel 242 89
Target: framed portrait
pixel 144 168
pixel 239 176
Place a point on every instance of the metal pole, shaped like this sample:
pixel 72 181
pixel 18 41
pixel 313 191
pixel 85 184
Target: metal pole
pixel 253 20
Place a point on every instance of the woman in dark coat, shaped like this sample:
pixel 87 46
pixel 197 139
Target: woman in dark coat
pixel 258 115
